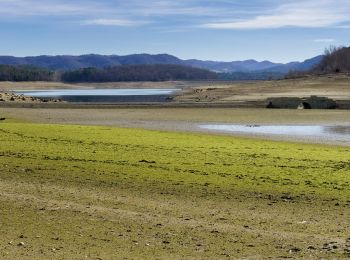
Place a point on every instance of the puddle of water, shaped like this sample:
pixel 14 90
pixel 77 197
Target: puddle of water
pixel 95 92
pixel 342 132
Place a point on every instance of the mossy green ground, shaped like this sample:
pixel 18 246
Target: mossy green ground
pixel 102 192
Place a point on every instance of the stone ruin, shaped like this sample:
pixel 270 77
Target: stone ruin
pixel 313 102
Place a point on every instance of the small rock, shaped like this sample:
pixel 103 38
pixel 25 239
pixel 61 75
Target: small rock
pixel 294 250
pixel 286 197
pixel 21 244
pixel 302 222
pixel 146 161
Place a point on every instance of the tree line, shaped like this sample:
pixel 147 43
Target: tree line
pixel 259 75
pixel 335 60
pixel 161 72
pixel 25 73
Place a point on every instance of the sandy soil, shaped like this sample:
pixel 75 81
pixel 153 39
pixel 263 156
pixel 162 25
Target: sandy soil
pixel 333 86
pixel 7 86
pixel 141 222
pixel 218 93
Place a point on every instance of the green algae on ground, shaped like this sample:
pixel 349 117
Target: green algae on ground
pixel 73 192
pixel 110 155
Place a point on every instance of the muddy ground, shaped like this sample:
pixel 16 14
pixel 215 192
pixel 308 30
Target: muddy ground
pixel 185 119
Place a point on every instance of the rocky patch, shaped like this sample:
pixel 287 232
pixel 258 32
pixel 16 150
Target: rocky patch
pixel 12 97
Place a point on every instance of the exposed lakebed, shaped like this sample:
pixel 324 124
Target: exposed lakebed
pixel 102 95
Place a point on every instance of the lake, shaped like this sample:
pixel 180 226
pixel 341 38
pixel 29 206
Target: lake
pixel 102 95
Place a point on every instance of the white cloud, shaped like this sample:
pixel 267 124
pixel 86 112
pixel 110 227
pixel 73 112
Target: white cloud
pixel 25 8
pixel 325 40
pixel 113 22
pixel 86 12
pixel 166 8
pixel 127 8
pixel 221 14
pixel 306 14
pixel 343 26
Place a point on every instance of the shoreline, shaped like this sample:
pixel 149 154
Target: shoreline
pixel 201 94
pixel 187 119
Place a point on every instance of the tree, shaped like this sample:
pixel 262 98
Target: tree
pixel 336 59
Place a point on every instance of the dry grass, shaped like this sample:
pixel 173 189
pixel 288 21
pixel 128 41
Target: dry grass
pixel 335 87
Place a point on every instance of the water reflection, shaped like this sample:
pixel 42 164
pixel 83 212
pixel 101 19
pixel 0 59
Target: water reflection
pixel 95 92
pixel 337 131
pixel 103 95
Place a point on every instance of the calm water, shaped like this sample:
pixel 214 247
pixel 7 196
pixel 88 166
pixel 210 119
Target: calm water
pixel 96 92
pixel 337 132
pixel 103 95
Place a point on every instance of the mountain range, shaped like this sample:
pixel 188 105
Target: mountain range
pixel 66 62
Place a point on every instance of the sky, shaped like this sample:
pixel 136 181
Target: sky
pixel 221 30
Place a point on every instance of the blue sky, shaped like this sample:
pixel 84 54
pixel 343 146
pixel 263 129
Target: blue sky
pixel 277 30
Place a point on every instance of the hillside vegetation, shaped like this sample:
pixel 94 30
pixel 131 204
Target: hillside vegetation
pixel 138 73
pixel 335 60
pixel 25 73
pixel 169 68
pixel 125 73
pixel 66 62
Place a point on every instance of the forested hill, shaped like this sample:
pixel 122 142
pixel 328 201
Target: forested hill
pixel 66 62
pixel 160 72
pixel 335 60
pixel 138 73
pixel 25 73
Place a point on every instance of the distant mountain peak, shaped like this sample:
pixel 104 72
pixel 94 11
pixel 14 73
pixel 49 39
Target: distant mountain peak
pixel 70 62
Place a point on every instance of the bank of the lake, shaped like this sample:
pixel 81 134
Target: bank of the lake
pixel 145 194
pixel 188 119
